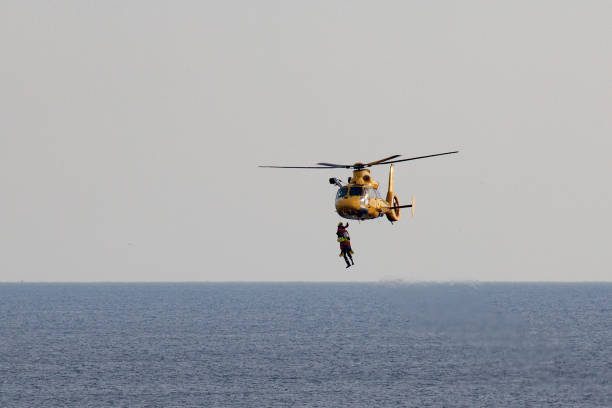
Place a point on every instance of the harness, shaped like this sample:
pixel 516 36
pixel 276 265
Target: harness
pixel 344 239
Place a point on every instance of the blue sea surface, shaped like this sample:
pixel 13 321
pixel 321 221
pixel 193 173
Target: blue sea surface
pixel 306 345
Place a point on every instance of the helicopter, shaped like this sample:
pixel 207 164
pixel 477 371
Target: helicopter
pixel 360 199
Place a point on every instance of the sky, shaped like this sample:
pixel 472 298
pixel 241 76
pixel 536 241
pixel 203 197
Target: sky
pixel 131 132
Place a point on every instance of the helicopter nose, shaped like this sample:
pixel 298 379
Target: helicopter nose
pixel 348 204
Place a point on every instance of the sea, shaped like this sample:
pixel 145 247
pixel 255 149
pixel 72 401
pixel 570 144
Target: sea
pixel 385 344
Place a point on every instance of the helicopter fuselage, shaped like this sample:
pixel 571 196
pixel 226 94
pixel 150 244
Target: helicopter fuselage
pixel 360 200
pixel 357 202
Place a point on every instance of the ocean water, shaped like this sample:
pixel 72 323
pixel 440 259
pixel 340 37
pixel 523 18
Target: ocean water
pixel 305 345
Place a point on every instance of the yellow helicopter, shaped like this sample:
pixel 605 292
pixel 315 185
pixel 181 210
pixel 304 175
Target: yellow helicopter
pixel 360 199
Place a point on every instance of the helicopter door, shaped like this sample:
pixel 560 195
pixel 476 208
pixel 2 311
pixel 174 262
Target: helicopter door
pixel 373 193
pixel 374 197
pixel 367 196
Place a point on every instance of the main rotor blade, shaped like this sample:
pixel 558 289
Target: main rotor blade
pixel 332 165
pixel 382 160
pixel 294 167
pixel 419 157
pixel 353 166
pixel 358 165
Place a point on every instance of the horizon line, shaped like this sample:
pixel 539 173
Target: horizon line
pixel 301 281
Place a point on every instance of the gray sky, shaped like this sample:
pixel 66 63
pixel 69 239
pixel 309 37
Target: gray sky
pixel 130 132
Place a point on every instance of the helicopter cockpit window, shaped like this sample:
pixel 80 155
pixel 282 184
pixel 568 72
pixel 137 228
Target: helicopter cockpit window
pixel 356 191
pixel 342 192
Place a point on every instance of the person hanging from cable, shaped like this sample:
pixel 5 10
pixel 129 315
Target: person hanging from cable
pixel 341 231
pixel 345 244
